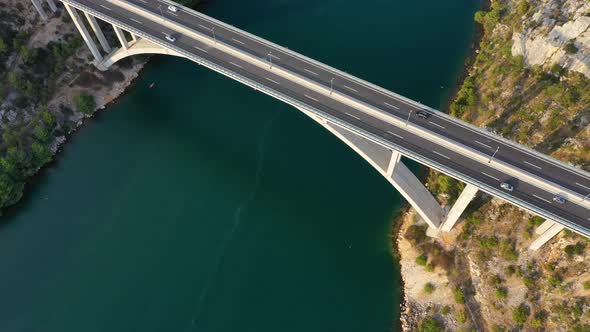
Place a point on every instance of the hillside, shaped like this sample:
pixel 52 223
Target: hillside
pixel 530 82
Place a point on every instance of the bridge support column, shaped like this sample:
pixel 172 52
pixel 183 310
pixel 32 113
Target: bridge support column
pixel 98 32
pixel 40 10
pixel 121 35
pixel 52 5
pixel 460 205
pixel 84 32
pixel 547 231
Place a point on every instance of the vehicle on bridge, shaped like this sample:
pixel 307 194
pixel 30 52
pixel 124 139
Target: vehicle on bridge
pixel 172 8
pixel 507 186
pixel 423 115
pixel 170 38
pixel 559 199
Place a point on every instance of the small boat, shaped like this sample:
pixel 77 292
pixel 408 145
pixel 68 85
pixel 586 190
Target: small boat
pixel 152 85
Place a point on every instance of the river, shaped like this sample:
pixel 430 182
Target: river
pixel 202 205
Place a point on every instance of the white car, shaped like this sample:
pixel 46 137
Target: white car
pixel 173 9
pixel 506 186
pixel 170 38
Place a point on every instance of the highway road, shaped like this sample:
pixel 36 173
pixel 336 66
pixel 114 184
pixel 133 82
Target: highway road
pixel 454 130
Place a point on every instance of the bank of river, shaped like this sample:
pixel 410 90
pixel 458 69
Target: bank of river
pixel 202 205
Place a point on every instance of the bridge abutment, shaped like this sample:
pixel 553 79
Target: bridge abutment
pixel 121 36
pixel 40 10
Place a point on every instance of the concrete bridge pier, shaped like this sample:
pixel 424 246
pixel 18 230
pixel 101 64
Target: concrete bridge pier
pixel 52 5
pixel 98 32
pixel 546 232
pixel 40 10
pixel 121 35
pixel 84 32
pixel 460 205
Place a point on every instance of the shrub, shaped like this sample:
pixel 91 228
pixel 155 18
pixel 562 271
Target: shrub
pixel 495 280
pixel 429 267
pixel 421 260
pixel 461 317
pixel 520 314
pixel 570 48
pixel 84 103
pixel 574 249
pixel 501 293
pixel 510 270
pixel 416 233
pixel 554 281
pixel 586 285
pixel 430 324
pixel 429 288
pixel 445 310
pixel 529 281
pixel 536 221
pixel 458 295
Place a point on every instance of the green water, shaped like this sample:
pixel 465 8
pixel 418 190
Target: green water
pixel 202 205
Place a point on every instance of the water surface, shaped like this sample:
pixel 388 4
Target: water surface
pixel 202 205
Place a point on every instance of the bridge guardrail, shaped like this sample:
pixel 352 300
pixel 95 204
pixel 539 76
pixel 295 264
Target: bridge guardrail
pixel 296 103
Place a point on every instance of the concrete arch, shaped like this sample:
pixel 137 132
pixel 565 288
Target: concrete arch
pixel 137 47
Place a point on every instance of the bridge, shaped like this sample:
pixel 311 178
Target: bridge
pixel 378 124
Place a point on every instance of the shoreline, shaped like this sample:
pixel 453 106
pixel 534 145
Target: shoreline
pixel 405 321
pixel 117 91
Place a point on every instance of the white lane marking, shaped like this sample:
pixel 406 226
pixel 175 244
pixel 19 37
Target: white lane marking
pixel 171 13
pixel 275 82
pixel 310 97
pixel 274 56
pixel 484 144
pixel 105 7
pixel 235 64
pixel 349 88
pixel 436 124
pixel 526 162
pixel 493 177
pixel 201 49
pixel 583 186
pixel 388 104
pixel 311 72
pixel 541 198
pixel 136 21
pixel 206 27
pixel 143 1
pixel 442 155
pixel 238 41
pixel 352 116
pixel 396 135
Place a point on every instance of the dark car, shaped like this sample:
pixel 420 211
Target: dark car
pixel 423 114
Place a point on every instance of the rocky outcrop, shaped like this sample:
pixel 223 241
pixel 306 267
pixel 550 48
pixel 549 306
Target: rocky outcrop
pixel 557 33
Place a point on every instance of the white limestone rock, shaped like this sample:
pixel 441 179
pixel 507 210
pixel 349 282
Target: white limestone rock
pixel 563 21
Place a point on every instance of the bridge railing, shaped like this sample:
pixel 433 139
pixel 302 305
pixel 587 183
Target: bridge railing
pixel 372 86
pixel 361 132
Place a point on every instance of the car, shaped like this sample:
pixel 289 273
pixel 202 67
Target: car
pixel 423 114
pixel 171 38
pixel 506 186
pixel 172 8
pixel 559 199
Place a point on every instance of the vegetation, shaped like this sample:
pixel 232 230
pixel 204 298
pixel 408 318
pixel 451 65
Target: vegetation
pixel 458 295
pixel 429 288
pixel 421 260
pixel 575 249
pixel 430 324
pixel 520 314
pixel 84 103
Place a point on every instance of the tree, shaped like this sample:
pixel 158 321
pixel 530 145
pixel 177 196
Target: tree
pixel 3 47
pixel 429 324
pixel 429 288
pixel 520 314
pixel 84 103
pixel 458 295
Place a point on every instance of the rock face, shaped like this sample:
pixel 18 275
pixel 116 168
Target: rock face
pixel 547 40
